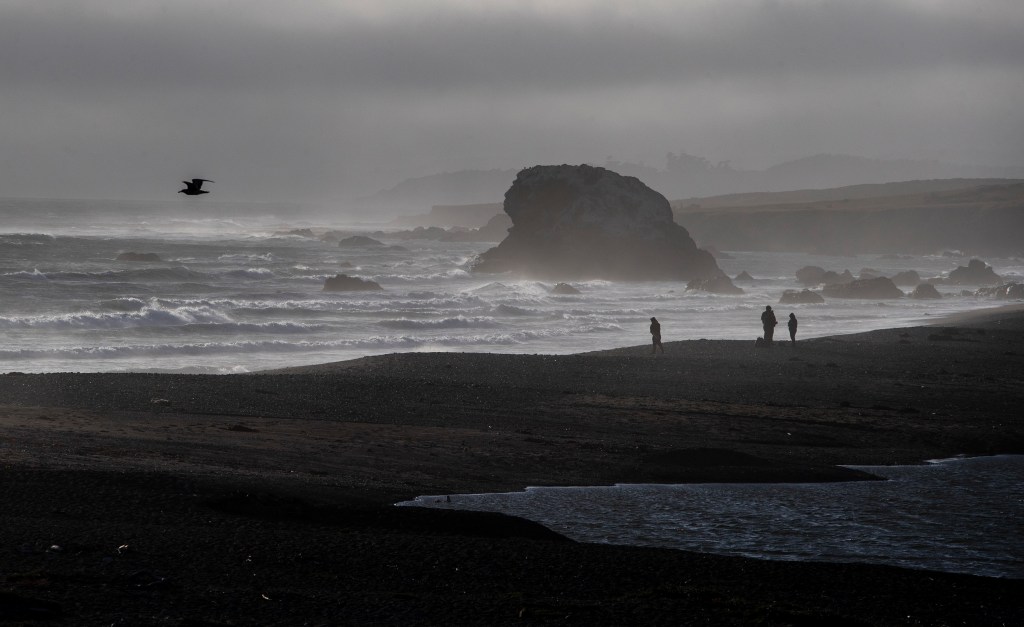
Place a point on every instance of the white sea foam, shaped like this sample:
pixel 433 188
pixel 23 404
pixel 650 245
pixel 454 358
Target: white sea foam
pixel 458 322
pixel 251 273
pixel 234 295
pixel 35 274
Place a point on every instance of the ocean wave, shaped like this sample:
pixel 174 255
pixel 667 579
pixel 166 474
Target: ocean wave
pixel 175 273
pixel 491 287
pixel 199 349
pixel 512 310
pixel 255 327
pixel 606 312
pixel 250 273
pixel 247 257
pixel 146 316
pixel 35 275
pixel 416 278
pixel 123 304
pixel 597 328
pixel 440 302
pixel 458 322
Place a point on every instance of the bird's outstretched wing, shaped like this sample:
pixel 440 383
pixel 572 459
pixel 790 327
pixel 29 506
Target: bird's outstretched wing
pixel 199 182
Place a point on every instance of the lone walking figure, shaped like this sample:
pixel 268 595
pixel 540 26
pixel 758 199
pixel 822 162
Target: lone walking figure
pixel 656 337
pixel 768 321
pixel 792 328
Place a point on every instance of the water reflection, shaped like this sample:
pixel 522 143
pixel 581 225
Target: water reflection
pixel 960 515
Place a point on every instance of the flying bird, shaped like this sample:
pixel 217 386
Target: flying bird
pixel 194 187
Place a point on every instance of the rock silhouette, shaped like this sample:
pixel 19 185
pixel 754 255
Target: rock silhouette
pixel 345 283
pixel 800 297
pixel 715 285
pixel 564 288
pixel 814 275
pixel 976 272
pixel 583 222
pixel 925 291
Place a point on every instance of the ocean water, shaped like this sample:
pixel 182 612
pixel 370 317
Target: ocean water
pixel 960 516
pixel 233 295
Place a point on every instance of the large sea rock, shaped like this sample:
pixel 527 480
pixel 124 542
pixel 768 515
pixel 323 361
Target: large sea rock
pixel 815 275
pixel 716 285
pixel 925 291
pixel 976 272
pixel 583 222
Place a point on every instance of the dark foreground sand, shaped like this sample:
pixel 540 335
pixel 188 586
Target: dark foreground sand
pixel 265 499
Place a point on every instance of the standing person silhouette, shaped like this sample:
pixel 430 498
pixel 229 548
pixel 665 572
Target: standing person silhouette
pixel 792 328
pixel 656 337
pixel 768 321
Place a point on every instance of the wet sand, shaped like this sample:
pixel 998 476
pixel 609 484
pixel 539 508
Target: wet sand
pixel 266 498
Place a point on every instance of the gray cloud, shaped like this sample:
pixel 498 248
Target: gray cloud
pixel 317 102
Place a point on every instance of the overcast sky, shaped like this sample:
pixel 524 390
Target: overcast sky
pixel 317 100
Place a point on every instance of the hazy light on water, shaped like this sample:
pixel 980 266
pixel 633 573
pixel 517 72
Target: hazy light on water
pixel 956 516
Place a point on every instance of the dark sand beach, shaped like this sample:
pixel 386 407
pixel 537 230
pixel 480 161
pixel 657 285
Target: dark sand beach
pixel 266 499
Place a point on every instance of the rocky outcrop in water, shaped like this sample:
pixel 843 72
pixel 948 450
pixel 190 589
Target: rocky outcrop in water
pixel 1007 291
pixel 715 285
pixel 814 275
pixel 877 288
pixel 346 283
pixel 564 289
pixel 584 222
pixel 925 291
pixel 800 297
pixel 744 276
pixel 976 272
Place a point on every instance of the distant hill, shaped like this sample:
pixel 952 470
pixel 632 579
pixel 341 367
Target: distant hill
pixel 683 176
pixel 977 217
pixel 878 195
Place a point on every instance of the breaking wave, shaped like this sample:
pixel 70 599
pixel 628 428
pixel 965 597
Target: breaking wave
pixel 458 322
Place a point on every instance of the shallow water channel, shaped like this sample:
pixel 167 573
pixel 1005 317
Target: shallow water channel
pixel 961 515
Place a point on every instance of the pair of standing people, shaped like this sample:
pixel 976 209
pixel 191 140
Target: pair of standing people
pixel 768 322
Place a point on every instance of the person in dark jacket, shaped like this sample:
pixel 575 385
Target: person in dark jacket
pixel 656 336
pixel 768 321
pixel 792 328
